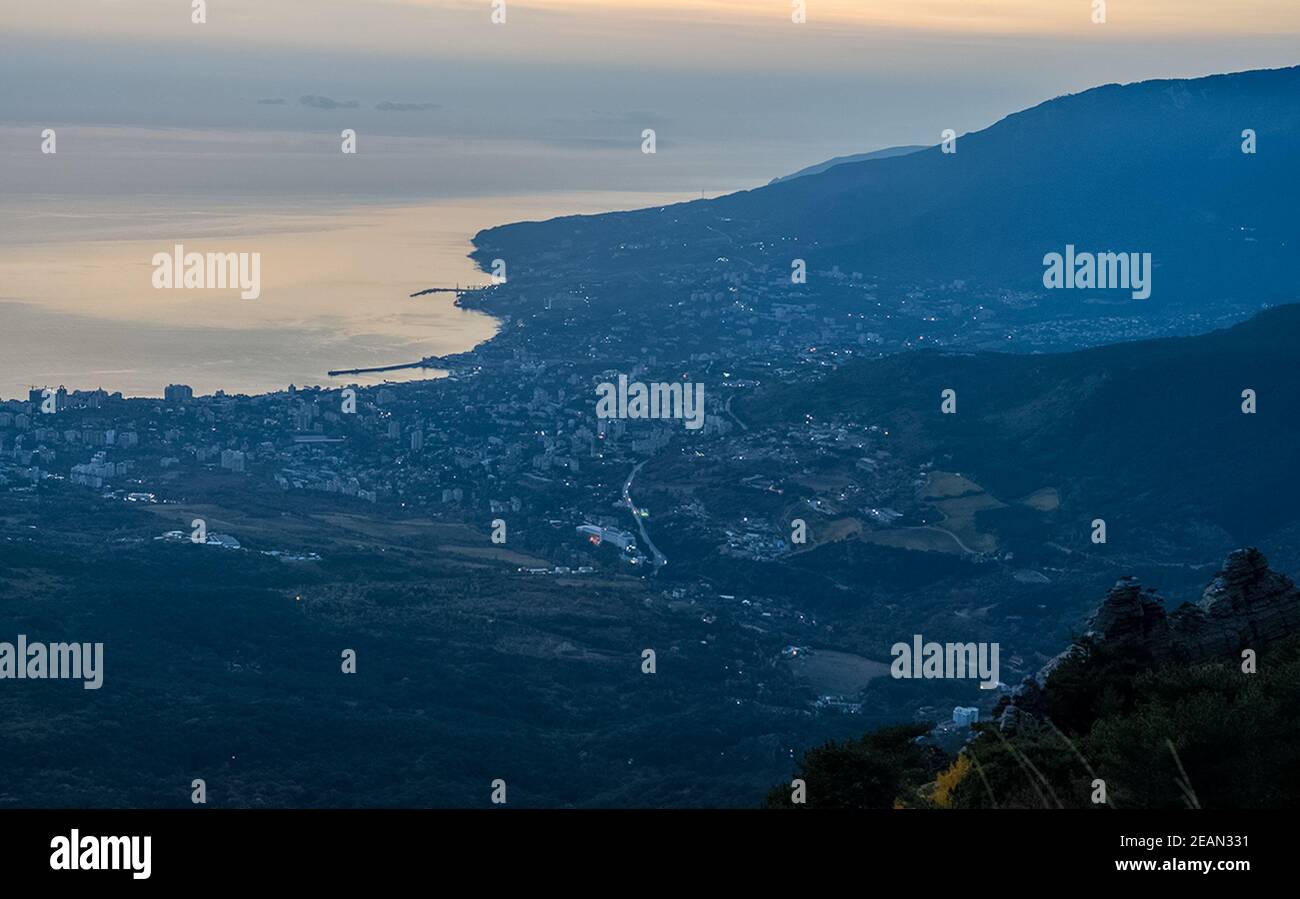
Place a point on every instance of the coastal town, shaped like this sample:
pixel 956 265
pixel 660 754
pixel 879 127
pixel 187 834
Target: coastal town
pixel 508 442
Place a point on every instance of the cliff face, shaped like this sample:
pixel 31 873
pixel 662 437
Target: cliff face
pixel 1246 606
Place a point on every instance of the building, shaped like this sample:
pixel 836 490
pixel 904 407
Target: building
pixel 93 473
pixel 965 716
pixel 232 460
pixel 178 394
pixel 597 535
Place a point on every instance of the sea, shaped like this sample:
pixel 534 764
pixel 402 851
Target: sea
pixel 342 243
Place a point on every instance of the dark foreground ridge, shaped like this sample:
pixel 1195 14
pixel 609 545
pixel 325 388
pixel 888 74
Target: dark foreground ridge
pixel 1247 606
pixel 1147 709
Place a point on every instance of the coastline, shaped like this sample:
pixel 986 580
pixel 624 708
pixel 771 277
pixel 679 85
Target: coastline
pixel 336 298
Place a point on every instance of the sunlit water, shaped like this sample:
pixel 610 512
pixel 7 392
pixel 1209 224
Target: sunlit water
pixel 78 306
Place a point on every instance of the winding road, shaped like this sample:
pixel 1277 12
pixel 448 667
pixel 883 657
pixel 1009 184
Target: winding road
pixel 660 559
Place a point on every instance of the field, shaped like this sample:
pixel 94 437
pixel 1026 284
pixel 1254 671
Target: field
pixel 837 673
pixel 958 499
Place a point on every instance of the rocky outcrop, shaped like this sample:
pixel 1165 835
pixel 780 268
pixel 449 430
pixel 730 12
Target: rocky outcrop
pixel 1246 606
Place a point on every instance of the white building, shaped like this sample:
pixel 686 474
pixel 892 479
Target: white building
pixel 598 535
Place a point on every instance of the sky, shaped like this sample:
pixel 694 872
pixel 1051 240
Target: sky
pixel 736 91
pixel 406 24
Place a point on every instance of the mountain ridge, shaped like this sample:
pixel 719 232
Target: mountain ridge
pixel 820 167
pixel 1151 166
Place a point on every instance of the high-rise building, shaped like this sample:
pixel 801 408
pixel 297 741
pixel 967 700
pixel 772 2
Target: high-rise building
pixel 178 394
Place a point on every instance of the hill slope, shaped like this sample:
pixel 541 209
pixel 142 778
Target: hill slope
pixel 820 167
pixel 1154 167
pixel 1149 431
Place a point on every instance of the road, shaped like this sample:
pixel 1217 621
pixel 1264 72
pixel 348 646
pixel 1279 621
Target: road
pixel 726 407
pixel 660 559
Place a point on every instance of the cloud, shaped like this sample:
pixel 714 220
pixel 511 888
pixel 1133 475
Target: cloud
pixel 393 106
pixel 271 101
pixel 316 102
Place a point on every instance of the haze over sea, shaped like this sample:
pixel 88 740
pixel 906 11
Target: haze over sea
pixel 344 240
pixel 226 136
